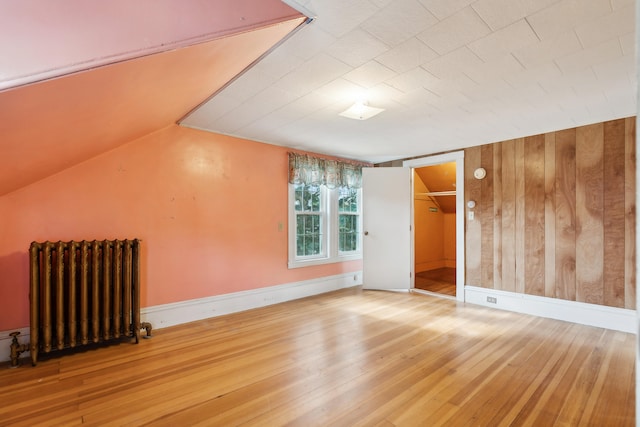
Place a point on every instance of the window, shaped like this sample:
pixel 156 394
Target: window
pixel 348 220
pixel 324 217
pixel 310 220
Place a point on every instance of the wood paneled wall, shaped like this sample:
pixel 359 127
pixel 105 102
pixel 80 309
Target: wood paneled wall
pixel 555 215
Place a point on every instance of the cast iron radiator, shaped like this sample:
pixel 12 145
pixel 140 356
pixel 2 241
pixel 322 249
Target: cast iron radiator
pixel 82 293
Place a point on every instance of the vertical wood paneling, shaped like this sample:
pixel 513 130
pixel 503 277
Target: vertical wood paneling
pixel 557 214
pixel 486 216
pixel 565 195
pixel 534 227
pixel 473 235
pixel 519 203
pixel 614 219
pixel 497 216
pixel 589 214
pixel 630 213
pixel 550 215
pixel 508 216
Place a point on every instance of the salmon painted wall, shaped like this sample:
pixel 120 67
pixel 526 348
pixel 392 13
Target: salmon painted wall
pixel 52 125
pixel 211 211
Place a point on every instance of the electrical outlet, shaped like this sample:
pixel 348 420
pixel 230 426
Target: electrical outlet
pixel 493 300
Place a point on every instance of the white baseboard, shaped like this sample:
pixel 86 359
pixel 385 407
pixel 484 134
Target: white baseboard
pixel 166 315
pixel 618 319
pixel 162 316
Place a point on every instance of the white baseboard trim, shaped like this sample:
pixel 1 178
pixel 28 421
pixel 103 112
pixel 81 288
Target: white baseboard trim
pixel 618 319
pixel 162 316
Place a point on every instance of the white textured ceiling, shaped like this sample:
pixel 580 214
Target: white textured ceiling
pixel 450 74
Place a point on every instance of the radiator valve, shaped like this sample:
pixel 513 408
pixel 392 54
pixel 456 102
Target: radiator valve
pixel 16 349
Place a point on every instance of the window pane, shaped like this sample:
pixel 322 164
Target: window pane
pixel 299 225
pixel 309 237
pixel 347 200
pixel 298 191
pixel 299 245
pixel 307 198
pixel 348 233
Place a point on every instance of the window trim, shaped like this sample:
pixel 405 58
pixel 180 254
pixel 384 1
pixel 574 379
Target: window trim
pixel 330 227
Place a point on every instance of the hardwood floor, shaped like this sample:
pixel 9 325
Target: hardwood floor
pixel 440 280
pixel 348 358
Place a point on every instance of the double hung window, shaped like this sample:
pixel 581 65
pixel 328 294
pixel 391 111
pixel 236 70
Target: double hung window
pixel 324 217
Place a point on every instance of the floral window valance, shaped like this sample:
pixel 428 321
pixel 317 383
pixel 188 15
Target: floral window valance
pixel 305 169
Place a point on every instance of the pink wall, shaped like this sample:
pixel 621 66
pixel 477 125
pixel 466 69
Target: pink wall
pixel 52 125
pixel 211 211
pixel 53 38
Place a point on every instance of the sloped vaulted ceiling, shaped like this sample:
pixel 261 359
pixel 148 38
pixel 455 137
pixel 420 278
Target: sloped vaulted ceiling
pixel 123 71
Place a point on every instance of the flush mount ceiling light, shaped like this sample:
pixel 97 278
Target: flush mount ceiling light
pixel 361 111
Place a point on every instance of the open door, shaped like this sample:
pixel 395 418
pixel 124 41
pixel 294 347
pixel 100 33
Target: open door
pixel 458 157
pixel 386 218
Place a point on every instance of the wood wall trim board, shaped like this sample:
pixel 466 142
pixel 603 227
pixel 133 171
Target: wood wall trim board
pixel 614 214
pixel 589 214
pixel 630 213
pixel 565 201
pixel 549 215
pixel 497 215
pixel 534 216
pixel 509 216
pixel 519 229
pixel 165 315
pixel 618 319
pixel 486 216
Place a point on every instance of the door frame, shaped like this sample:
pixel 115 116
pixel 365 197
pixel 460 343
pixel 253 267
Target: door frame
pixel 458 157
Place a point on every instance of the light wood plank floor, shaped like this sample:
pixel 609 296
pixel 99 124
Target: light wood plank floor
pixel 441 281
pixel 348 358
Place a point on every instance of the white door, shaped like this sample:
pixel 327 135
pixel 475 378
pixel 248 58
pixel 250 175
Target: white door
pixel 386 218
